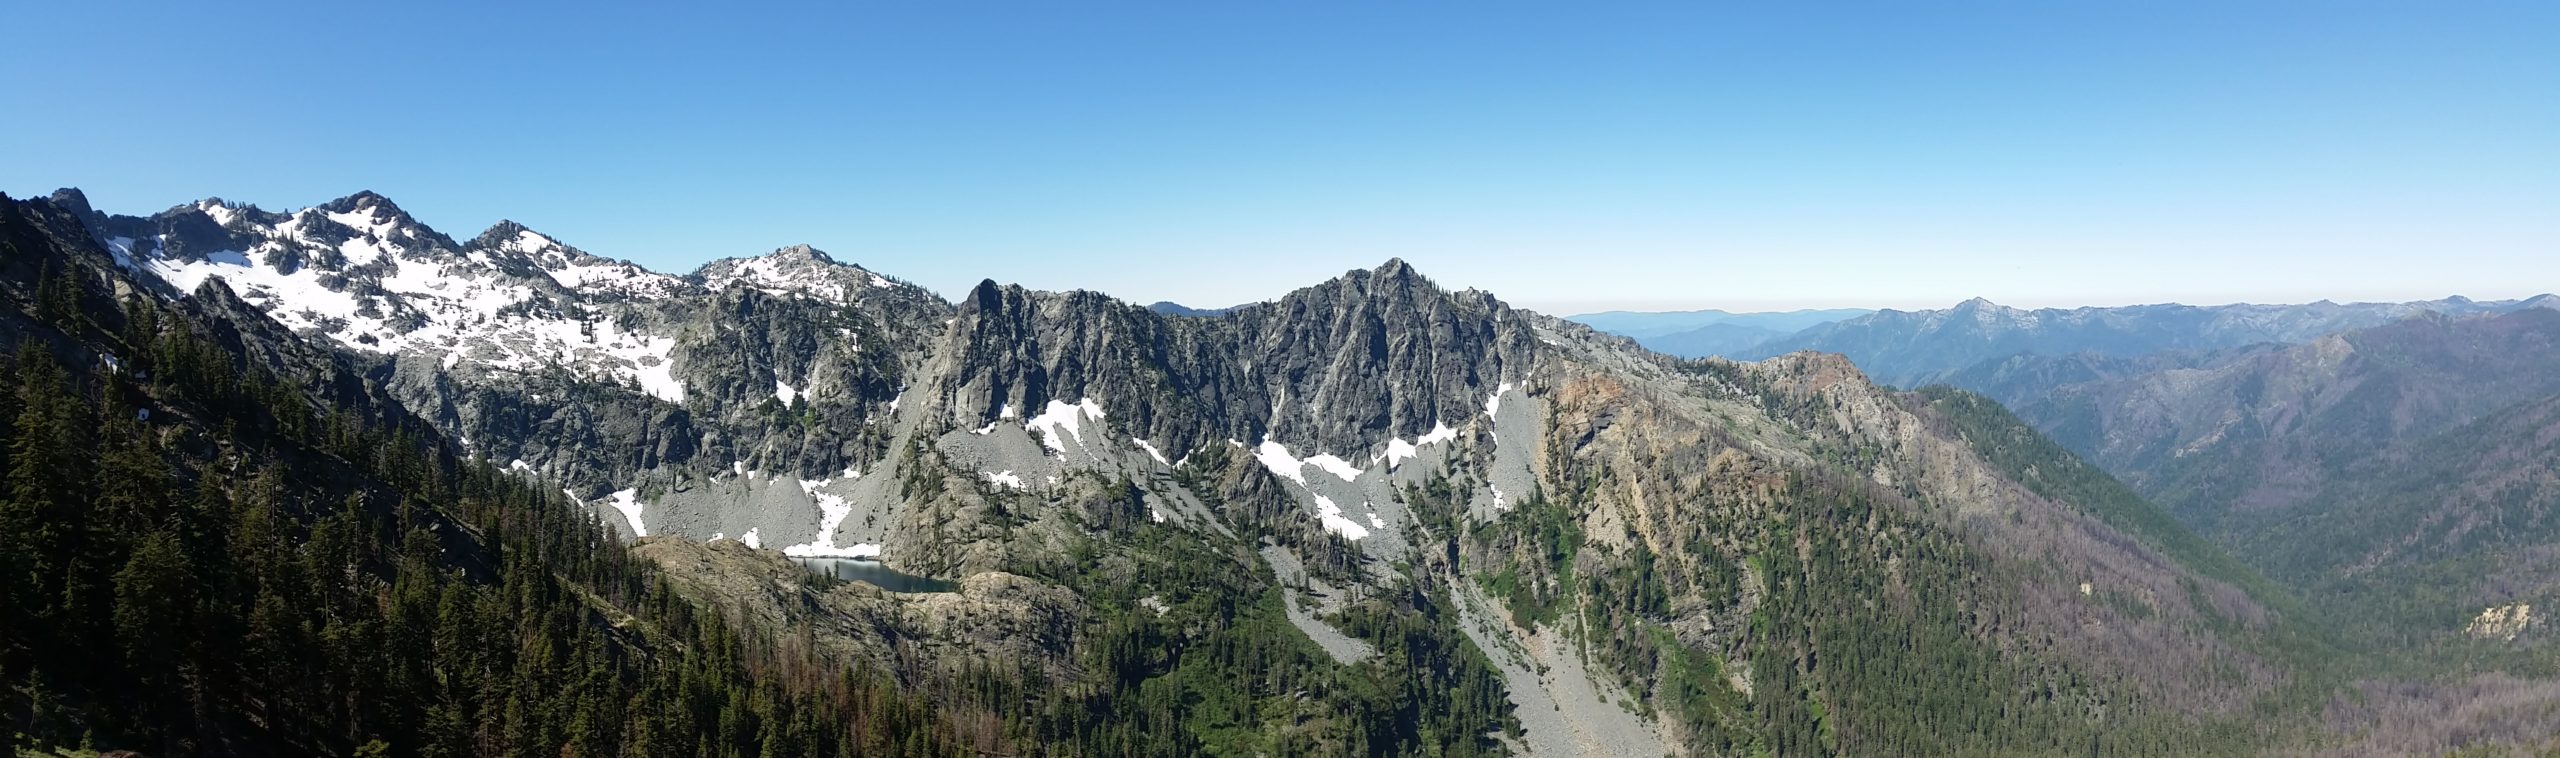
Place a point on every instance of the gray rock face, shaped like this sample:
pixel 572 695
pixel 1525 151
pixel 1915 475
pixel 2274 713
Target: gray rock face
pixel 664 392
pixel 1340 367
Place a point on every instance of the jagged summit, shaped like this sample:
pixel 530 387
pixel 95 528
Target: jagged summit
pixel 802 251
pixel 72 199
pixel 506 227
pixel 794 271
pixel 1394 280
pixel 363 200
pixel 507 232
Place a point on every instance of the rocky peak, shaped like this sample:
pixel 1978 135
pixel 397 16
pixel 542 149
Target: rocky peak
pixel 73 200
pixel 798 270
pixel 369 216
pixel 1978 307
pixel 987 296
pixel 514 239
pixel 1394 285
pixel 1396 269
pixel 367 202
pixel 506 230
pixel 802 252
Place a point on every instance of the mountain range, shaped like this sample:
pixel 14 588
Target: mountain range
pixel 1372 516
pixel 2408 465
pixel 1914 348
pixel 1698 334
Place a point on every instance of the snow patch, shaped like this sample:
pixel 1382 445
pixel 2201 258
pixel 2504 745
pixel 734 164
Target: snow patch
pixel 1331 516
pixel 1151 452
pixel 1003 478
pixel 784 392
pixel 122 250
pixel 1276 457
pixel 627 501
pixel 1059 416
pixel 656 370
pixel 1397 451
pixel 751 540
pixel 834 510
pixel 1335 466
pixel 221 214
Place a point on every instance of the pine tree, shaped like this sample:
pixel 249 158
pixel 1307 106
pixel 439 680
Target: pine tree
pixel 154 603
pixel 47 478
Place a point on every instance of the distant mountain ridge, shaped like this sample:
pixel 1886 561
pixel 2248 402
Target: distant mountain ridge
pixel 1170 308
pixel 2411 468
pixel 1698 334
pixel 1914 348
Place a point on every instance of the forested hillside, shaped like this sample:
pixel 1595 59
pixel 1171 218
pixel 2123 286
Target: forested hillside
pixel 211 551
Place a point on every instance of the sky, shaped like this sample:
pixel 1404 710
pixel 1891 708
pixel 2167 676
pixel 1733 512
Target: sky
pixel 1567 157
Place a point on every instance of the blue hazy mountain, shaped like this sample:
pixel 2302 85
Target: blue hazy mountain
pixel 1914 348
pixel 1693 334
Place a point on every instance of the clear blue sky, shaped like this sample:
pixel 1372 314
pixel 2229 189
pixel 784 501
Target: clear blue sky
pixel 1566 156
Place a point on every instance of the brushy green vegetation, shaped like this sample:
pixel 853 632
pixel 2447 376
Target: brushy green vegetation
pixel 1222 671
pixel 1844 621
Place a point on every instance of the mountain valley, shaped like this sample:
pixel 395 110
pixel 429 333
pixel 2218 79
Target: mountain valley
pixel 1371 516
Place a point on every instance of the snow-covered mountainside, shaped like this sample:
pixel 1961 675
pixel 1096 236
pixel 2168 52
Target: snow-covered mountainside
pixel 361 272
